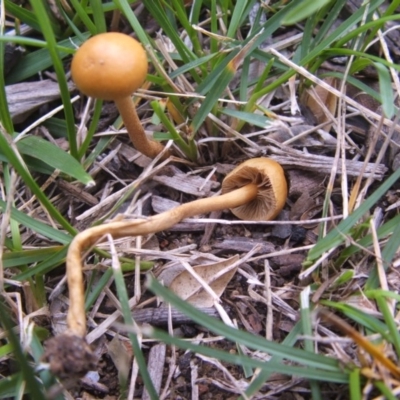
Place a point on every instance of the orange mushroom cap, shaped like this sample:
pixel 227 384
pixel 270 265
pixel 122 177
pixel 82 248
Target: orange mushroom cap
pixel 109 66
pixel 270 179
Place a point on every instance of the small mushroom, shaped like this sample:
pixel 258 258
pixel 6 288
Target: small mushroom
pixel 111 66
pixel 272 188
pixel 256 190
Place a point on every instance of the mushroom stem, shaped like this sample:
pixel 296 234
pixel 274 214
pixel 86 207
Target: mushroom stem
pixel 76 314
pixel 149 148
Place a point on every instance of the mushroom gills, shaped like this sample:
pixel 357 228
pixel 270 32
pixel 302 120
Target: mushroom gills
pixel 270 179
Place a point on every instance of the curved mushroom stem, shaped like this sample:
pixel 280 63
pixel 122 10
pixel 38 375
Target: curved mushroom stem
pixel 76 314
pixel 149 148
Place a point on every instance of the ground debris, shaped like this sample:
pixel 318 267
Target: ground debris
pixel 293 158
pixel 243 244
pixel 69 356
pixel 195 185
pixel 24 98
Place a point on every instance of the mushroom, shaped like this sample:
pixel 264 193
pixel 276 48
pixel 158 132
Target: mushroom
pixel 272 188
pixel 256 190
pixel 111 66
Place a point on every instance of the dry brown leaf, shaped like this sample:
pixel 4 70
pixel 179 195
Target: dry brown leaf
pixel 321 103
pixel 57 308
pixel 216 275
pixel 30 300
pixel 122 358
pixel 301 205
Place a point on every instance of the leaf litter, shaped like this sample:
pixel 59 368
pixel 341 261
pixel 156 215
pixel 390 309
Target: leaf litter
pixel 240 286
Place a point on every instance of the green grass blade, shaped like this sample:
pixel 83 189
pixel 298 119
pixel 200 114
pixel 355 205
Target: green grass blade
pixel 209 102
pixel 40 60
pixel 389 11
pixel 15 161
pixel 23 14
pixel 182 17
pixel 102 145
pixel 329 21
pixel 369 322
pixel 305 319
pixel 57 158
pixel 214 42
pixel 161 16
pixel 338 234
pixel 126 312
pixel 95 292
pixel 25 41
pixel 263 376
pixel 382 232
pixel 355 384
pixel 265 31
pixel 212 79
pixel 45 266
pixel 192 65
pixel 385 88
pixel 226 72
pixel 308 372
pixel 308 32
pixel 245 338
pixel 172 131
pixel 254 119
pixel 14 259
pixel 375 293
pixel 35 389
pixel 368 26
pixel 334 52
pixel 84 17
pixel 235 22
pixel 30 18
pixel 5 350
pixel 303 10
pixel 315 53
pixel 5 116
pixel 98 16
pixel 386 392
pixel 390 322
pixel 37 226
pixel 8 385
pixel 48 34
pixel 357 83
pixel 125 7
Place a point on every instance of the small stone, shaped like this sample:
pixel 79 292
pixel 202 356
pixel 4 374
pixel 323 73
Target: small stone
pixel 282 231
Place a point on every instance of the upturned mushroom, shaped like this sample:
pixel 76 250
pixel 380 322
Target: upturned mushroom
pixel 256 190
pixel 271 188
pixel 111 66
